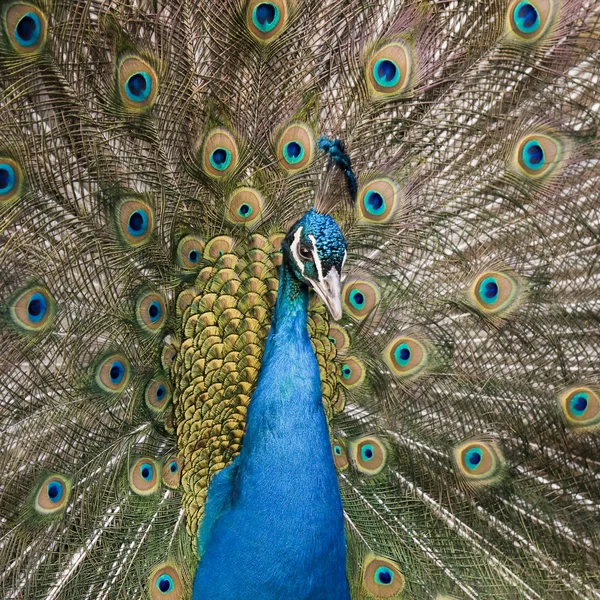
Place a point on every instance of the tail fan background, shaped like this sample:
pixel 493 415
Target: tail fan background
pixel 152 154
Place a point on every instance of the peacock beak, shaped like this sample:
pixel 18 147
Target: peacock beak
pixel 329 289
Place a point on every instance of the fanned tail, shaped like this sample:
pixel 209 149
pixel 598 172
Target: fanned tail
pixel 151 156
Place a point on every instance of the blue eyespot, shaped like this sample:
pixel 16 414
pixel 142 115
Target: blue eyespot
pixel 134 221
pixel 7 178
pixel 533 155
pixel 295 147
pixel 219 153
pixel 402 354
pixel 154 311
pixel 384 576
pixel 265 16
pixel 220 158
pixel 117 372
pixel 337 450
pixel 473 457
pixel 146 471
pixel 161 392
pixel 357 299
pixel 374 203
pixel 386 72
pixel 346 372
pixel 245 210
pixel 293 152
pixel 139 86
pixel 28 30
pixel 579 404
pixel 37 307
pixel 165 583
pixel 489 290
pixel 138 223
pixel 112 373
pixel 367 452
pixel 173 467
pixel 55 491
pixel 526 17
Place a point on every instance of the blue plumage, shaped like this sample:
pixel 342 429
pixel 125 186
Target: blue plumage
pixel 273 526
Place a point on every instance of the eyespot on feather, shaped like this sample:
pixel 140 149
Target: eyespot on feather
pixel 33 309
pixel 218 246
pixel 369 454
pixel 479 462
pixel 245 207
pixel 339 338
pixel 382 577
pixel 219 153
pixel 52 495
pixel 144 477
pixel 537 155
pixel 360 297
pixel 171 472
pixel 340 458
pixel 378 200
pixel 529 20
pixel 165 583
pixel 389 70
pixel 352 372
pixel 167 357
pixel 11 181
pixel 295 147
pixel 189 252
pixel 266 20
pixel 406 356
pixel 580 408
pixel 26 27
pixel 113 373
pixel 150 311
pixel 134 222
pixel 157 395
pixel 493 292
pixel 138 84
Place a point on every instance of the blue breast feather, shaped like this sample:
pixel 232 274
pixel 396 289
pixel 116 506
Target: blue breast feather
pixel 274 525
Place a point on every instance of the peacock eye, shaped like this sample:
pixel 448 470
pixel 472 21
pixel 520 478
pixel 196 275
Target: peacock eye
pixel 53 495
pixel 305 253
pixel 165 583
pixel 144 477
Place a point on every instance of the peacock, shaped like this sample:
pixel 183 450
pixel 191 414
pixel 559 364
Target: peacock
pixel 299 299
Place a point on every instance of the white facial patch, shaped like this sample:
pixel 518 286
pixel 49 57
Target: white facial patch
pixel 316 257
pixel 294 248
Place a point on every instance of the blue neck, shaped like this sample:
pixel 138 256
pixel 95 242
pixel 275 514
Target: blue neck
pixel 291 307
pixel 289 386
pixel 276 514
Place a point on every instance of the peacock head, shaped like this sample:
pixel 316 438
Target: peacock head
pixel 315 251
